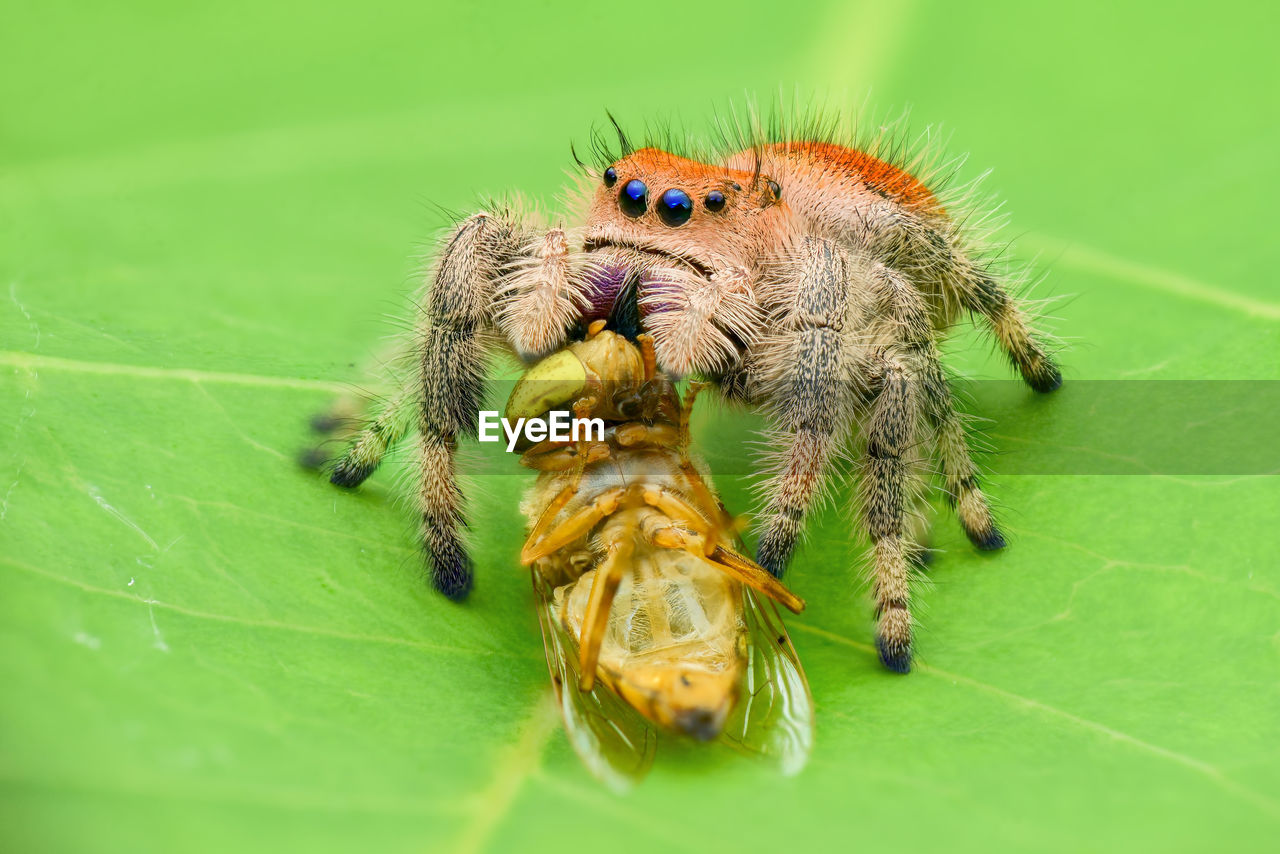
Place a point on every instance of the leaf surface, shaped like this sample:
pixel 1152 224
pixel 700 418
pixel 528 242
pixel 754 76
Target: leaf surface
pixel 204 214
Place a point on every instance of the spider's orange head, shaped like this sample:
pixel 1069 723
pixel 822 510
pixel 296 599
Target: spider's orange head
pixel 665 209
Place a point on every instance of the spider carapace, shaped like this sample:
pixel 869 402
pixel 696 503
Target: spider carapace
pixel 803 276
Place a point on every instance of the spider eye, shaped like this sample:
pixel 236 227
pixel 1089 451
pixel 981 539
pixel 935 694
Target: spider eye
pixel 610 176
pixel 634 198
pixel 675 207
pixel 715 201
pixel 775 190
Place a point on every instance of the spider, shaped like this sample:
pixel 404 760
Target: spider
pixel 804 276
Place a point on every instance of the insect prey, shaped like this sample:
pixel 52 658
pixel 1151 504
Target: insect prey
pixel 652 619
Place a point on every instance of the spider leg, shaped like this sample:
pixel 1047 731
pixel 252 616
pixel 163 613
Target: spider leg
pixel 885 494
pixel 696 321
pixel 802 374
pixel 932 250
pixel 452 371
pixel 905 310
pixel 489 262
pixel 537 296
pixel 365 452
pixel 388 397
pixel 980 292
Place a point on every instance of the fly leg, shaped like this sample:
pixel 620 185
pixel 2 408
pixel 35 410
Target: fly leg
pixel 680 510
pixel 618 548
pixel 583 454
pixel 670 528
pixel 578 524
pixel 752 574
pixel 563 456
pixel 702 492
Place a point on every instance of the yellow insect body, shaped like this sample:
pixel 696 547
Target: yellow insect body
pixel 673 647
pixel 650 616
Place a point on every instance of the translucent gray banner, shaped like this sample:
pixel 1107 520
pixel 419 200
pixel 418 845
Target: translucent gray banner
pixel 1088 427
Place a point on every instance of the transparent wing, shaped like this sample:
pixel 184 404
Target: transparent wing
pixel 613 740
pixel 774 714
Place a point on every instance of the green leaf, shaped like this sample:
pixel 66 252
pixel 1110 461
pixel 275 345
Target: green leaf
pixel 205 210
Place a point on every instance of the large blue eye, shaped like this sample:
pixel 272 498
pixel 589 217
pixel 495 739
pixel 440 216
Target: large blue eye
pixel 634 198
pixel 675 207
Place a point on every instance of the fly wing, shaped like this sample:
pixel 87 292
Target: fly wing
pixel 774 713
pixel 613 740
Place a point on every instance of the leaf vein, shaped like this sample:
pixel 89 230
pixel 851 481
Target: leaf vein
pixel 1092 260
pixel 1257 799
pixel 244 621
pixel 18 359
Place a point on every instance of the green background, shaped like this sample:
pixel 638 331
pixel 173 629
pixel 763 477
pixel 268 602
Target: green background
pixel 207 210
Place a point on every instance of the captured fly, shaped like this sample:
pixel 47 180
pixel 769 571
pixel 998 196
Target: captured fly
pixel 651 617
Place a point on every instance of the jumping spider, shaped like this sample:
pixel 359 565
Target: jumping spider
pixel 807 278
